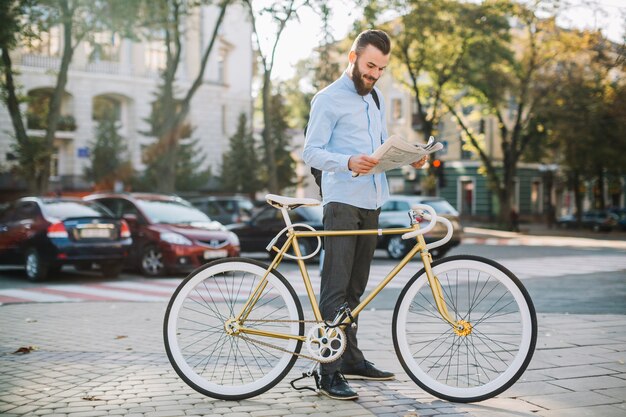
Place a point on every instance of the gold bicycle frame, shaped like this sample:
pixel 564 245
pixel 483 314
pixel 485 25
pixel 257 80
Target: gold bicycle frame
pixel 292 242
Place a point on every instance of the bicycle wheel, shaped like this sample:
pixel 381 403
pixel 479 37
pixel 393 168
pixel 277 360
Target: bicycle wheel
pixel 225 366
pixel 465 367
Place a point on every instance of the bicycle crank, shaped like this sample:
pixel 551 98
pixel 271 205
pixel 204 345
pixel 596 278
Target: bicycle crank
pixel 326 344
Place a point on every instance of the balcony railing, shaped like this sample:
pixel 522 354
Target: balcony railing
pixel 40 61
pixel 40 122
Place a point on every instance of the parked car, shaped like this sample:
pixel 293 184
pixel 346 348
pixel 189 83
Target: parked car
pixel 621 218
pixel 226 210
pixel 169 234
pixel 47 233
pixel 394 213
pixel 596 220
pixel 256 233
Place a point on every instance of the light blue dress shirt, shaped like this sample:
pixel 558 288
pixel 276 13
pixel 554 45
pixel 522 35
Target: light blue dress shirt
pixel 343 123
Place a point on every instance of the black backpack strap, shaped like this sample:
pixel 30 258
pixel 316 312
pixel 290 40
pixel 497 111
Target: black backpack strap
pixel 375 97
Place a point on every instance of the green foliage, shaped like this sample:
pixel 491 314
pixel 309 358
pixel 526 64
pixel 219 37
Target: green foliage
pixel 285 164
pixel 33 157
pixel 109 161
pixel 240 164
pixel 585 111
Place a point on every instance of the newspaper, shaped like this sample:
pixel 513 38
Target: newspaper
pixel 396 152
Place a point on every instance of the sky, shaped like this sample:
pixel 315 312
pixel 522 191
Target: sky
pixel 301 37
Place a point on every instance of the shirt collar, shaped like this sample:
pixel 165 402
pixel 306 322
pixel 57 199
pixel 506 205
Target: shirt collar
pixel 347 82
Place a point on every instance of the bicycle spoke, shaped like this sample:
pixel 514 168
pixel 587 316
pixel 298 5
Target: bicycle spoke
pixel 460 362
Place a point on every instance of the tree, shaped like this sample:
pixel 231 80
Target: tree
pixel 585 114
pixel 26 19
pixel 240 164
pixel 511 89
pixel 109 162
pixel 432 41
pixel 280 12
pixel 168 117
pixel 285 164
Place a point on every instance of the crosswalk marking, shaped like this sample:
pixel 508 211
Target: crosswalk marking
pixel 162 289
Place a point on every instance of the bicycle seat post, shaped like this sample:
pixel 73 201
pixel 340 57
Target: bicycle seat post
pixel 286 217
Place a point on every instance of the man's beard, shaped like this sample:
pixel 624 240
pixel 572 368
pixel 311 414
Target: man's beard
pixel 359 83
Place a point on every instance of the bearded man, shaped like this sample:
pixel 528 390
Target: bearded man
pixel 346 124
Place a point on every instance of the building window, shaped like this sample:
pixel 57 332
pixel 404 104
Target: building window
pixel 466 194
pixel 224 120
pixel 105 47
pixel 105 107
pixel 466 154
pixel 54 164
pixel 155 57
pixel 396 109
pixel 536 194
pixel 48 43
pixel 221 67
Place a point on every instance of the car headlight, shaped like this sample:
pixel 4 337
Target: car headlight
pixel 175 239
pixel 233 238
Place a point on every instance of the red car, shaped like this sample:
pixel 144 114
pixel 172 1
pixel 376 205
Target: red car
pixel 45 233
pixel 169 234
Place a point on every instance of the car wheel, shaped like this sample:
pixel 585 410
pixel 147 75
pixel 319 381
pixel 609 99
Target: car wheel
pixel 111 269
pixel 36 268
pixel 438 253
pixel 396 247
pixel 151 262
pixel 307 247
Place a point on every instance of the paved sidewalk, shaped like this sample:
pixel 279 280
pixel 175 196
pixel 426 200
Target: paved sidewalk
pixel 96 359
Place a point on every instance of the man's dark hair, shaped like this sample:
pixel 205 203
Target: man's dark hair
pixel 377 38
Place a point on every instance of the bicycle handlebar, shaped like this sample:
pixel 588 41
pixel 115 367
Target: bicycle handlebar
pixel 432 216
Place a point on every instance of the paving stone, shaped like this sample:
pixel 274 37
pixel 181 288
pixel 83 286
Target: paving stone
pixel 570 400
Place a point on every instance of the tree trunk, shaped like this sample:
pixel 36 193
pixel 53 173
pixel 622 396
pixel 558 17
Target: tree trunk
pixel 268 142
pixel 57 96
pixel 13 106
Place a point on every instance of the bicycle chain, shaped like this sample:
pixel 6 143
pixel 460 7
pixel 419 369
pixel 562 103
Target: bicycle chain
pixel 258 342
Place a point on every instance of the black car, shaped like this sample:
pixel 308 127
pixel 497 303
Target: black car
pixel 256 233
pixel 46 233
pixel 596 220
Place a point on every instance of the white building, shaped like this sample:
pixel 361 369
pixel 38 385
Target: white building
pixel 123 78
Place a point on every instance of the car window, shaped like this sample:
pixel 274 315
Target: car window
pixel 267 215
pixel 26 210
pixel 212 208
pixel 172 212
pixel 246 206
pixel 65 209
pixel 441 207
pixel 388 206
pixel 126 207
pixel 112 205
pixel 402 206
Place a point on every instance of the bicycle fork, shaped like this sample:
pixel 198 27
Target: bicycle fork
pixel 460 327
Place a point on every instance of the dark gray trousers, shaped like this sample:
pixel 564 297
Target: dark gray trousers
pixel 346 270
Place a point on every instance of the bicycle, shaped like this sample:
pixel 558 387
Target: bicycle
pixel 464 328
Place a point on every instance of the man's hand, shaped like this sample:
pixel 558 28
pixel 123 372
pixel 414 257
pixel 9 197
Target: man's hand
pixel 420 163
pixel 361 164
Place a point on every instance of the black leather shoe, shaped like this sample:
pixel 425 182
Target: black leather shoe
pixel 366 370
pixel 335 386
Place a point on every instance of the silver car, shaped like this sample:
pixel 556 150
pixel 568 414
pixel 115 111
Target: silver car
pixel 394 213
